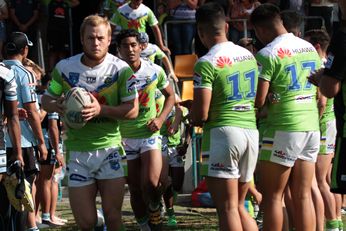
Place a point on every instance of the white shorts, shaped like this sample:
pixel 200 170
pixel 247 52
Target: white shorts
pixel 84 167
pixel 233 153
pixel 285 148
pixel 328 137
pixel 174 160
pixel 135 147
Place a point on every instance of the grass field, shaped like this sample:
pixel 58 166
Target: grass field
pixel 188 218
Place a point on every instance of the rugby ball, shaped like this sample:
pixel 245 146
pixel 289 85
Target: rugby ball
pixel 75 100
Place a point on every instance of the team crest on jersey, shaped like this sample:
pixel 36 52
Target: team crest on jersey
pixel 197 79
pixel 330 59
pixel 73 78
pixel 283 52
pixel 223 61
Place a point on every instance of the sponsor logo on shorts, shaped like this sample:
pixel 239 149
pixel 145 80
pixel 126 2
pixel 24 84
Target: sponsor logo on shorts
pixel 330 146
pixel 151 141
pixel 77 177
pixel 220 167
pixel 114 163
pixel 304 98
pixel 282 155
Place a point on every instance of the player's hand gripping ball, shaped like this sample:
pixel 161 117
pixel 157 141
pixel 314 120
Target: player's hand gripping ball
pixel 75 100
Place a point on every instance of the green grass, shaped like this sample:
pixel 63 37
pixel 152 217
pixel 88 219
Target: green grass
pixel 188 218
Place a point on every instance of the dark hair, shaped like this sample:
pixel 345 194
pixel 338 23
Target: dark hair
pixel 265 14
pixel 210 14
pixel 318 36
pixel 291 19
pixel 127 33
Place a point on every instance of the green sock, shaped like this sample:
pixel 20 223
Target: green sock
pixel 122 227
pixel 341 224
pixel 170 212
pixel 332 224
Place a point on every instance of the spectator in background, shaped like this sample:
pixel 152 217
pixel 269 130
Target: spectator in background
pixel 58 31
pixel 24 15
pixel 241 10
pixel 3 17
pixel 182 34
pixel 80 10
pixel 320 8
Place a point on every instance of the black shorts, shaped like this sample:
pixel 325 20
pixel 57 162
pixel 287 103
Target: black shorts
pixel 338 182
pixel 58 40
pixel 51 160
pixel 30 161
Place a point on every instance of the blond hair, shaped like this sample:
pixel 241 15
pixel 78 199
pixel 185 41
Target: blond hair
pixel 35 67
pixel 95 20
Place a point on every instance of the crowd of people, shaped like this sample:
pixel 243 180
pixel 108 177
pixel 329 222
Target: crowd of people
pixel 271 106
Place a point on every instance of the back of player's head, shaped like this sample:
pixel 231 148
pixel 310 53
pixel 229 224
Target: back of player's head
pixel 127 33
pixel 318 36
pixel 223 3
pixel 292 21
pixel 93 21
pixel 211 17
pixel 265 15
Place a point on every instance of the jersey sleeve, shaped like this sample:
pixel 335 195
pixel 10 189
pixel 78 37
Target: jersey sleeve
pixel 203 75
pixel 152 20
pixel 10 85
pixel 127 85
pixel 55 86
pixel 115 19
pixel 159 53
pixel 336 64
pixel 28 87
pixel 162 79
pixel 265 66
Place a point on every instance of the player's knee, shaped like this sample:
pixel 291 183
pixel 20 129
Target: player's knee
pixel 87 223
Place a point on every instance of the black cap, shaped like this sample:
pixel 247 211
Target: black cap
pixel 16 42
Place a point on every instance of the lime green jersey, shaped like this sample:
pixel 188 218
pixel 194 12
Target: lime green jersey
pixel 230 72
pixel 286 63
pixel 110 82
pixel 147 79
pixel 128 18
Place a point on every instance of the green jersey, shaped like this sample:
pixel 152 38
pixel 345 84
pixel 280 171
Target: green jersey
pixel 152 52
pixel 110 82
pixel 147 79
pixel 173 140
pixel 286 63
pixel 230 72
pixel 128 18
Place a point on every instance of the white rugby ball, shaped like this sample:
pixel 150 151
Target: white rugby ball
pixel 75 100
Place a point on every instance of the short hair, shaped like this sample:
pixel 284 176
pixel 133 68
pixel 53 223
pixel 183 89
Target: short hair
pixel 95 20
pixel 127 33
pixel 291 19
pixel 318 36
pixel 265 15
pixel 35 67
pixel 211 15
pixel 223 3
